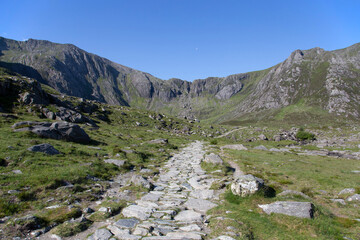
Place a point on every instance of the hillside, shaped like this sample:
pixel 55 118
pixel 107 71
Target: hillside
pixel 316 83
pixel 72 168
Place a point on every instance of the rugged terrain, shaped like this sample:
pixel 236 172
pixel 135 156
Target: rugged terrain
pixel 72 168
pixel 322 85
pixel 84 156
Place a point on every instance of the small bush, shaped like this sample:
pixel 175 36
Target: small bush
pixel 26 196
pixel 8 208
pixel 3 163
pixel 69 229
pixel 59 215
pixel 213 142
pixel 56 183
pixel 307 191
pixel 302 135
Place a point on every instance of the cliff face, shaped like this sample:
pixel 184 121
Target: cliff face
pixel 326 79
pixel 329 79
pixel 75 72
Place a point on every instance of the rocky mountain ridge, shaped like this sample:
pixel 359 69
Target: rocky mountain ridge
pixel 326 80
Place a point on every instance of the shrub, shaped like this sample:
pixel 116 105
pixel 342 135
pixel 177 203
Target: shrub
pixel 8 208
pixel 26 196
pixel 213 142
pixel 69 229
pixel 303 135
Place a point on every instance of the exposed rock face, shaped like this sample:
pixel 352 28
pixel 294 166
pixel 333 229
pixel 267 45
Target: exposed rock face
pixel 314 77
pixel 57 130
pixel 75 72
pixel 246 185
pixel 296 209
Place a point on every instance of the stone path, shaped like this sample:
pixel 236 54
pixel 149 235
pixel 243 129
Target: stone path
pixel 175 209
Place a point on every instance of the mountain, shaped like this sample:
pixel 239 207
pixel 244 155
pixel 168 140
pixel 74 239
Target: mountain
pixel 315 81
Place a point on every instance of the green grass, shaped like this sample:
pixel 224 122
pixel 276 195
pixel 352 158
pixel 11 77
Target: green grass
pixel 252 223
pixel 307 174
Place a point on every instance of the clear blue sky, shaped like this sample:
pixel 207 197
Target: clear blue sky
pixel 187 39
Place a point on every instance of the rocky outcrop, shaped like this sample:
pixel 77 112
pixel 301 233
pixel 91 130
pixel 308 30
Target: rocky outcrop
pixel 57 130
pixel 75 72
pixel 44 148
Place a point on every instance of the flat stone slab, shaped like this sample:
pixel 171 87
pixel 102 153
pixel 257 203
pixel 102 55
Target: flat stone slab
pixel 223 237
pixel 200 205
pixel 203 194
pixel 127 223
pixel 296 209
pixel 235 147
pixel 188 216
pixel 101 234
pixel 190 228
pixel 151 197
pixel 136 211
pixel 185 235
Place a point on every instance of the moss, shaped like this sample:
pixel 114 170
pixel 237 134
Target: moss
pixel 69 229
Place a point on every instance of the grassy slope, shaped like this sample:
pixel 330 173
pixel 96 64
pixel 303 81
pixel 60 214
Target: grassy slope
pixel 309 174
pixel 42 175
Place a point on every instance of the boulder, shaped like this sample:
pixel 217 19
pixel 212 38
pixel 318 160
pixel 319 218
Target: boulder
pixel 277 138
pixel 213 158
pixel 246 185
pixel 296 209
pixel 57 130
pixel 44 148
pixel 262 137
